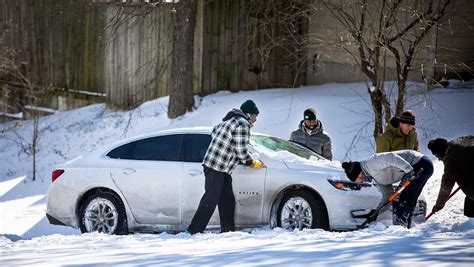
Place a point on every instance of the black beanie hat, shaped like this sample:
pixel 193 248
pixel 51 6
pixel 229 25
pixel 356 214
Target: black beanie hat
pixel 309 114
pixel 438 147
pixel 407 117
pixel 249 107
pixel 352 169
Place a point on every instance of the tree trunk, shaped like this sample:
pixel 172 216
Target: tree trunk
pixel 401 96
pixel 181 81
pixel 375 98
pixel 34 142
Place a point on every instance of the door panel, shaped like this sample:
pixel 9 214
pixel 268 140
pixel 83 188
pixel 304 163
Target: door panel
pixel 148 172
pixel 193 189
pixel 248 187
pixel 151 189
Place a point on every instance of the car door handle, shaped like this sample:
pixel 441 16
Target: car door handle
pixel 128 171
pixel 194 172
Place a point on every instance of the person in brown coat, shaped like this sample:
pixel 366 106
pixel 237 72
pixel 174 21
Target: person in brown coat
pixel 458 158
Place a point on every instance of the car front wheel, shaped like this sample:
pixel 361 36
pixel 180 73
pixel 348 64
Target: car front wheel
pixel 103 212
pixel 301 210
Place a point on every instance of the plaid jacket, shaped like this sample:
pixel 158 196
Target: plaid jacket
pixel 229 144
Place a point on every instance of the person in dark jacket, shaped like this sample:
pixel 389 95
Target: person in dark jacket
pixel 458 158
pixel 228 148
pixel 311 133
pixel 400 134
pixel 393 167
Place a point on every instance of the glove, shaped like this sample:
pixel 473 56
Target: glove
pixel 411 176
pixel 372 216
pixel 437 208
pixel 257 164
pixel 443 197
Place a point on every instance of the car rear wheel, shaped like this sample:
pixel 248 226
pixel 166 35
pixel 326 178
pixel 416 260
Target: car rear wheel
pixel 103 212
pixel 301 210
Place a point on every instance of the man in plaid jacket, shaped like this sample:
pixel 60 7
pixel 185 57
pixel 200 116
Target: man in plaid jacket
pixel 228 148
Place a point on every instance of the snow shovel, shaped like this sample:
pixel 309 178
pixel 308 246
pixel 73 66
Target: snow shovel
pixel 392 197
pixel 452 194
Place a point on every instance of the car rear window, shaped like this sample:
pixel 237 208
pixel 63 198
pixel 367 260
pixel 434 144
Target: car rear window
pixel 122 152
pixel 164 148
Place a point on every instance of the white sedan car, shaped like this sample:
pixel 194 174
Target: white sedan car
pixel 154 182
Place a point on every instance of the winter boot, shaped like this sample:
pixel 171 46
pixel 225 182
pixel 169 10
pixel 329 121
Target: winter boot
pixel 400 215
pixel 410 220
pixel 401 220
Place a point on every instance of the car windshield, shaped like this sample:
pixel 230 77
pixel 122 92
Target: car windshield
pixel 276 144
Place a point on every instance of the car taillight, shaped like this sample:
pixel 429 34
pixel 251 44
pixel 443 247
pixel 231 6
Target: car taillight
pixel 56 174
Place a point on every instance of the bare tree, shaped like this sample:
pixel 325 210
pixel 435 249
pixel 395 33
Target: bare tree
pixel 380 29
pixel 181 86
pixel 130 18
pixel 30 91
pixel 276 34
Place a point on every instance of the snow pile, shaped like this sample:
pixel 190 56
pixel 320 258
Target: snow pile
pixel 27 238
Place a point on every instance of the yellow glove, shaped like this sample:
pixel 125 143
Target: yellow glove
pixel 257 164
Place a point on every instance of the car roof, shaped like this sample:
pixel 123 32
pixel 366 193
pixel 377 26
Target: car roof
pixel 185 130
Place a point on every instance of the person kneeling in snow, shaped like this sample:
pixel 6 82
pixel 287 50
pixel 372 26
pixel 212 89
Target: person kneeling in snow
pixel 458 159
pixel 393 167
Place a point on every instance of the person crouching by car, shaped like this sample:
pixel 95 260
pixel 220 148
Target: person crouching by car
pixel 228 148
pixel 311 133
pixel 393 167
pixel 458 158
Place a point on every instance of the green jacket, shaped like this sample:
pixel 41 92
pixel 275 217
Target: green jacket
pixel 393 139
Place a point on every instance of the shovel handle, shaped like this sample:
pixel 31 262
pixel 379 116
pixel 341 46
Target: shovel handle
pixel 432 212
pixel 392 197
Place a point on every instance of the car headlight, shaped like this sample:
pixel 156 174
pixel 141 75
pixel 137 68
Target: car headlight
pixel 347 185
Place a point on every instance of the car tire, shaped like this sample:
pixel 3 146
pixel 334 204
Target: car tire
pixel 103 212
pixel 301 210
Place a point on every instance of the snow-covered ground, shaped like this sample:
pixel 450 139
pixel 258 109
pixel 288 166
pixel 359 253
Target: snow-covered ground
pixel 27 238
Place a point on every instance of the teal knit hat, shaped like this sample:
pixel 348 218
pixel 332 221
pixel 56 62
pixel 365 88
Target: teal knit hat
pixel 249 107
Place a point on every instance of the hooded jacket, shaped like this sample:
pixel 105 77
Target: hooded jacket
pixel 317 139
pixel 393 139
pixel 229 144
pixel 388 168
pixel 458 167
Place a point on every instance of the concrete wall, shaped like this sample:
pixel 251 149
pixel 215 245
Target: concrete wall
pixel 449 48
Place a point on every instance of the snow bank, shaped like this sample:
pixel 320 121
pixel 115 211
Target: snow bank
pixel 27 238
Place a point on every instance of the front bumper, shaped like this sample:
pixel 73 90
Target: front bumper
pixel 341 204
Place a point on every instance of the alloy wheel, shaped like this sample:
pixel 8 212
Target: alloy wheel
pixel 296 214
pixel 101 216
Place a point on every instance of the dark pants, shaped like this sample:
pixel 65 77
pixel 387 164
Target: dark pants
pixel 409 197
pixel 469 207
pixel 218 192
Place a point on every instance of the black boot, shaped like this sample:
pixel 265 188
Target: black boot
pixel 400 215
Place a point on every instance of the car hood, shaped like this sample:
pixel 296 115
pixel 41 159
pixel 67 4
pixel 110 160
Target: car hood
pixel 332 169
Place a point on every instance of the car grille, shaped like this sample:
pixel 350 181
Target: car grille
pixel 420 212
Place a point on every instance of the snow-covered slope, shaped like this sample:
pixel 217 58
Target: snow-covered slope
pixel 27 238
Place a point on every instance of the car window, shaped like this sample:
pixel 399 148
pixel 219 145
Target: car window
pixel 276 144
pixel 165 148
pixel 196 147
pixel 122 152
